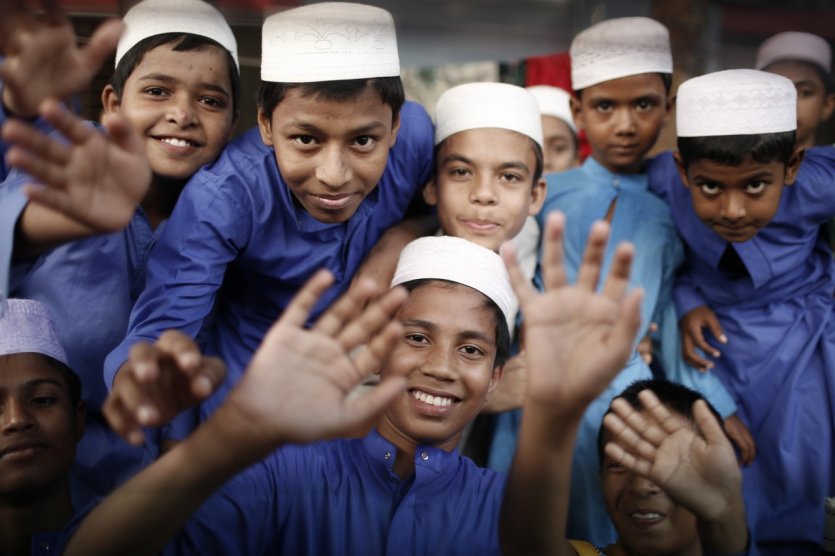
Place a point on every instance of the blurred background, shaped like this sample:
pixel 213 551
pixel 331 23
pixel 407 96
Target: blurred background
pixel 446 42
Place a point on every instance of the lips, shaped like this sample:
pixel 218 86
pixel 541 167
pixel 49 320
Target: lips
pixel 21 450
pixel 479 225
pixel 645 518
pixel 177 142
pixel 432 402
pixel 333 202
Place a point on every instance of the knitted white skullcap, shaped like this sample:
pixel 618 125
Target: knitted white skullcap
pixel 483 105
pixel 619 48
pixel 28 327
pixel 793 45
pixel 555 102
pixel 736 102
pixel 330 41
pixel 461 261
pixel 157 17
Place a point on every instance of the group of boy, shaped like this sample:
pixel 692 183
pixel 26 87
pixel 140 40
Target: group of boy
pixel 330 172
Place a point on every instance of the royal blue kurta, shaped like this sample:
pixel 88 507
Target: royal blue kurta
pixel 779 362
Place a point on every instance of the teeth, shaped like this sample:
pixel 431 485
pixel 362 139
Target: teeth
pixel 176 142
pixel 647 516
pixel 437 401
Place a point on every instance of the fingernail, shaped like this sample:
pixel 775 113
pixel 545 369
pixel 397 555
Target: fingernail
pixel 189 360
pixel 202 386
pixel 723 339
pixel 144 414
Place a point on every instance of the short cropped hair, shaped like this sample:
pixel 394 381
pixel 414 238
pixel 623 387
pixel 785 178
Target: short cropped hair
pixel 390 89
pixel 182 42
pixel 731 150
pixel 677 397
pixel 502 331
pixel 537 151
pixel 666 78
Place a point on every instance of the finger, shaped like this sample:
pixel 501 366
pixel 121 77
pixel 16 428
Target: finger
pixel 68 124
pixel 716 329
pixel 182 349
pixel 553 254
pixel 374 401
pixel 372 320
pixel 371 359
pixel 629 461
pixel 122 133
pixel 40 169
pixel 618 279
pixel 625 330
pixel 346 308
pixel 589 273
pixel 53 15
pixel 208 378
pixel 298 311
pixel 697 335
pixel 709 425
pixel 34 142
pixel 122 421
pixel 638 429
pixel 664 420
pixel 102 44
pixel 143 359
pixel 691 356
pixel 521 284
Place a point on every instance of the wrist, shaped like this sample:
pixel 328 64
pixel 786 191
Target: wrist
pixel 12 109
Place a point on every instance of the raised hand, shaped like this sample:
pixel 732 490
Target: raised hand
pixel 96 179
pixel 692 326
pixel 159 381
pixel 695 466
pixel 43 59
pixel 296 388
pixel 577 339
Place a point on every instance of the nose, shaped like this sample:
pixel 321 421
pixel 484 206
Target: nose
pixel 625 122
pixel 332 169
pixel 181 112
pixel 16 417
pixel 439 365
pixel 483 191
pixel 639 486
pixel 733 205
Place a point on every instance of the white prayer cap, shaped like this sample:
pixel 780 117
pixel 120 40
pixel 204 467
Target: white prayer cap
pixel 330 41
pixel 619 48
pixel 28 327
pixel 461 261
pixel 736 102
pixel 555 102
pixel 793 45
pixel 487 105
pixel 157 17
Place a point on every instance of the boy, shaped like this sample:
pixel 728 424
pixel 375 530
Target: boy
pixel 621 73
pixel 402 489
pixel 561 148
pixel 668 473
pixel 174 93
pixel 749 213
pixel 42 420
pixel 805 59
pixel 315 186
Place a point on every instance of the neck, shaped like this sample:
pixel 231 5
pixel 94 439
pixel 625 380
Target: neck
pixel 25 514
pixel 404 462
pixel 636 168
pixel 161 197
pixel 619 548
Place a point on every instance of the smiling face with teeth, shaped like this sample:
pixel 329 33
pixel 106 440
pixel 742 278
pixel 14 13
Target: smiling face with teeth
pixel 648 522
pixel 180 103
pixel 447 352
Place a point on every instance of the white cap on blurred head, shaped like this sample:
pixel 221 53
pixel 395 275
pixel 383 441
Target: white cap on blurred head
pixel 28 327
pixel 555 102
pixel 793 45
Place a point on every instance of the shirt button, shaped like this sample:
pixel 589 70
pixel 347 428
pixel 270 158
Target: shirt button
pixel 387 456
pixel 45 546
pixel 424 456
pixel 615 182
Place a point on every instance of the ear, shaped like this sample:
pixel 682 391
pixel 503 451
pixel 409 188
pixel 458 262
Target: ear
pixel 495 378
pixel 577 113
pixel 395 128
pixel 110 101
pixel 828 107
pixel 265 127
pixel 537 197
pixel 793 165
pixel 430 193
pixel 682 171
pixel 80 420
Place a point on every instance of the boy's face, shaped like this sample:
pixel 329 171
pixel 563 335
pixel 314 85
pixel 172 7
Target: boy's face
pixel 814 105
pixel 40 429
pixel 180 104
pixel 737 201
pixel 483 185
pixel 622 119
pixel 446 352
pixel 330 153
pixel 559 153
pixel 647 521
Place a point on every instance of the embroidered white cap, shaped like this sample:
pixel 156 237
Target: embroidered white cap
pixel 28 327
pixel 461 261
pixel 487 105
pixel 618 48
pixel 736 102
pixel 330 41
pixel 794 45
pixel 555 102
pixel 157 17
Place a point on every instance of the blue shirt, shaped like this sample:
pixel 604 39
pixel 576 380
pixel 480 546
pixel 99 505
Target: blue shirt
pixel 342 497
pixel 238 247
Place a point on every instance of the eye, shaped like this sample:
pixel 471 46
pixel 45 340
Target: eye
pixel 43 401
pixel 472 351
pixel 755 187
pixel 365 142
pixel 459 172
pixel 416 338
pixel 213 102
pixel 511 177
pixel 304 140
pixel 604 106
pixel 710 189
pixel 155 91
pixel 644 104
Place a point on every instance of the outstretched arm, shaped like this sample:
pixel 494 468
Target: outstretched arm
pixel 314 370
pixel 576 342
pixel 696 468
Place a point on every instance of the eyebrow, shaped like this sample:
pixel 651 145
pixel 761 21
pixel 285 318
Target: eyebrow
pixel 165 78
pixel 518 164
pixel 466 334
pixel 362 130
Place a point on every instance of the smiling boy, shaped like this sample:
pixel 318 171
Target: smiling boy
pixel 757 269
pixel 333 164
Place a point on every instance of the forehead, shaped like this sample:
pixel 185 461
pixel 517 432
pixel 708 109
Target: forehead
pixel 553 127
pixel 626 88
pixel 207 63
pixel 493 145
pixel 453 307
pixel 16 370
pixel 364 111
pixel 745 171
pixel 796 70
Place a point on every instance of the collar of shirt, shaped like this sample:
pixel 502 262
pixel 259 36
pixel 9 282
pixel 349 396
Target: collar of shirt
pixel 626 182
pixel 427 458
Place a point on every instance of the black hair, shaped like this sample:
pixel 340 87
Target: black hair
pixel 182 42
pixel 502 331
pixel 666 78
pixel 677 397
pixel 537 151
pixel 390 89
pixel 823 75
pixel 731 150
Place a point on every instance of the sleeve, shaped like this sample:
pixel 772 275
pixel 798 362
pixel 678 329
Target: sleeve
pixel 12 203
pixel 209 226
pixel 815 184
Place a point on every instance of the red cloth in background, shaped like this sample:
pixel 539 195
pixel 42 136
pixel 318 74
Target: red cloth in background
pixel 554 70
